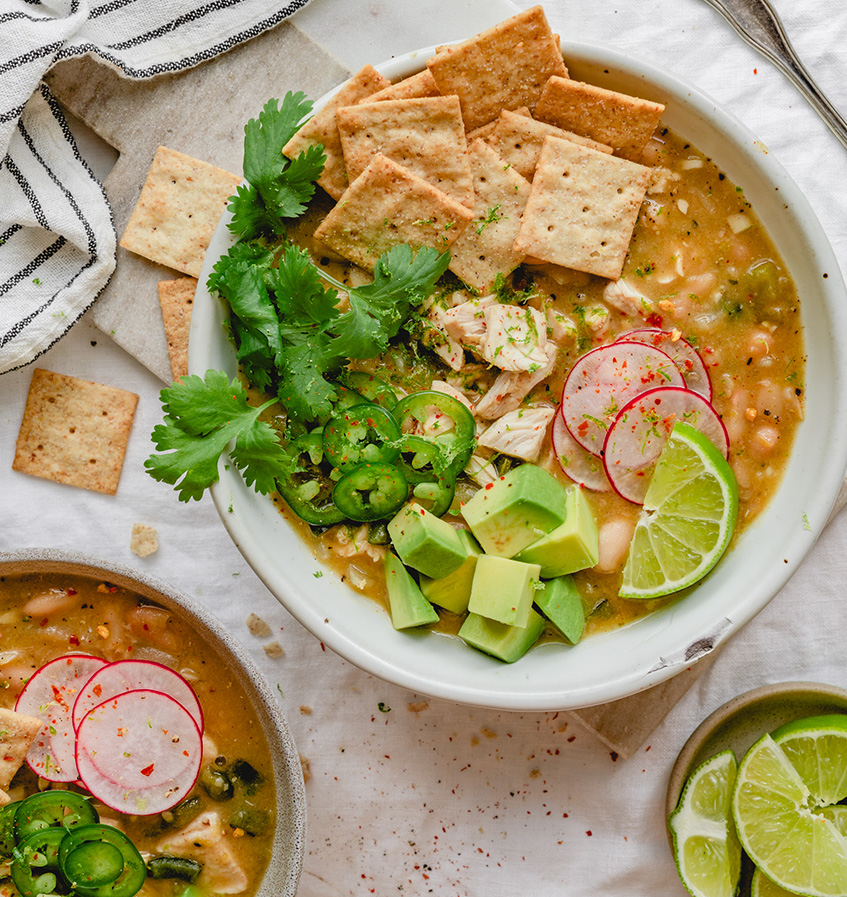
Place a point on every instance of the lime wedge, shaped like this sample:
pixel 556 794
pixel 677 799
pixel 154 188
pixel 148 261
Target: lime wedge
pixel 784 782
pixel 688 518
pixel 706 849
pixel 762 886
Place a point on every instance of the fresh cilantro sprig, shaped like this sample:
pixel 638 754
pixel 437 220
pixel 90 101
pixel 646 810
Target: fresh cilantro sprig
pixel 202 417
pixel 277 189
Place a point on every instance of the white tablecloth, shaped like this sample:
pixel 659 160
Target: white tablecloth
pixel 450 800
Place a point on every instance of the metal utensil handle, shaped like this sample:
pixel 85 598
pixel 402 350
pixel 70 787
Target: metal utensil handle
pixel 757 22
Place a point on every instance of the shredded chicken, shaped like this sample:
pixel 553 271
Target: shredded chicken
pixel 466 322
pixel 626 299
pixel 205 840
pixel 348 546
pixel 481 469
pixel 560 326
pixel 520 433
pixel 448 390
pixel 514 338
pixel 510 388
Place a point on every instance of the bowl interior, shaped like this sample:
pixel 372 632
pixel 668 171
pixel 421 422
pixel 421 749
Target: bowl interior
pixel 619 663
pixel 286 860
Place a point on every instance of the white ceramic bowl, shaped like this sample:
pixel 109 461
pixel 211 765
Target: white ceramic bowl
pixel 286 860
pixel 613 665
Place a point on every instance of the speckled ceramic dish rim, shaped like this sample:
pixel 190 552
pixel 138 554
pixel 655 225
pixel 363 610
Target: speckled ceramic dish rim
pixel 628 660
pixel 286 860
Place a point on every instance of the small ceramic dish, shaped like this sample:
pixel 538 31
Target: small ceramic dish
pixel 285 863
pixel 743 720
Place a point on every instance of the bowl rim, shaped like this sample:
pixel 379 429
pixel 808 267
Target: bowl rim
pixel 660 657
pixel 290 837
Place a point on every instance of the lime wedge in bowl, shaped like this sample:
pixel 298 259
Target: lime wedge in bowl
pixel 706 849
pixel 783 783
pixel 688 519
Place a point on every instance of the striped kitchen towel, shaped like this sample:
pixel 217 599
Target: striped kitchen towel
pixel 57 238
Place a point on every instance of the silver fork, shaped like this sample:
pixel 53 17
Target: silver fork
pixel 757 22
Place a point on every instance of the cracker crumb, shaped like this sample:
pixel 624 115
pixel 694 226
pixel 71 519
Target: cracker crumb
pixel 305 710
pixel 257 626
pixel 306 766
pixel 274 650
pixel 144 540
pixel 417 706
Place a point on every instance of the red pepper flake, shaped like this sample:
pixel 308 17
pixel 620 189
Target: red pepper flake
pixel 148 771
pixel 588 833
pixel 43 623
pixel 73 640
pixel 98 690
pixel 72 591
pixel 489 485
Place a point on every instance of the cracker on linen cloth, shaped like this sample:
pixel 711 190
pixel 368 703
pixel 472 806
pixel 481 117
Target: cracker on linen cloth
pixel 386 205
pixel 624 122
pixel 519 139
pixel 582 208
pixel 423 134
pixel 74 431
pixel 485 248
pixel 176 297
pixel 420 85
pixel 322 128
pixel 504 67
pixel 178 210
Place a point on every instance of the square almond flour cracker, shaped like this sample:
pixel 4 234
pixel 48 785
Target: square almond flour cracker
pixel 420 85
pixel 582 208
pixel 386 205
pixel 323 128
pixel 518 140
pixel 17 733
pixel 176 298
pixel 74 431
pixel 504 67
pixel 624 122
pixel 424 134
pixel 485 131
pixel 485 248
pixel 178 210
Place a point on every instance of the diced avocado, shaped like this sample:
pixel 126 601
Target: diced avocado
pixel 572 546
pixel 503 589
pixel 426 542
pixel 405 600
pixel 516 510
pixel 508 643
pixel 452 592
pixel 560 602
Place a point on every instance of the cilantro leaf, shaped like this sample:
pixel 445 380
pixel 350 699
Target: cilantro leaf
pixel 250 253
pixel 401 279
pixel 304 390
pixel 300 294
pixel 201 418
pixel 277 188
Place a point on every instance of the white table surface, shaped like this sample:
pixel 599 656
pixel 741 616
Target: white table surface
pixel 450 800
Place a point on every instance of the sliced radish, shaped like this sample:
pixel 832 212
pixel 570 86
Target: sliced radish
pixel 129 675
pixel 139 752
pixel 686 357
pixel 49 695
pixel 581 466
pixel 636 438
pixel 604 380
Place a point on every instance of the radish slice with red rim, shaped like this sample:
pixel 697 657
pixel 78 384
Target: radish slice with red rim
pixel 686 357
pixel 139 752
pixel 49 695
pixel 604 380
pixel 129 675
pixel 581 466
pixel 636 438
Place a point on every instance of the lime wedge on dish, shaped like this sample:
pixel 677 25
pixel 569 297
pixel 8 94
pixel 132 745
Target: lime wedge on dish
pixel 706 848
pixel 688 518
pixel 762 886
pixel 783 783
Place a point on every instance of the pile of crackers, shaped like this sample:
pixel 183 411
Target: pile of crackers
pixel 492 152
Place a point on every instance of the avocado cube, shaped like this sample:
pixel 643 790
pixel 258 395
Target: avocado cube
pixel 452 592
pixel 406 602
pixel 516 510
pixel 503 590
pixel 572 546
pixel 508 643
pixel 426 542
pixel 560 602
